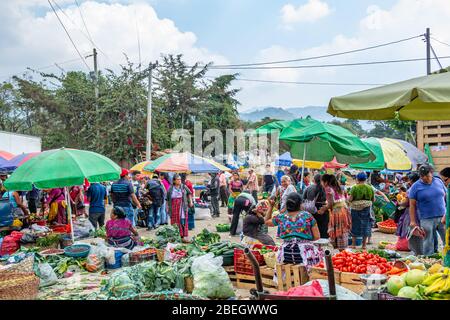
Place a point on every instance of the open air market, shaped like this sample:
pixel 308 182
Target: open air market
pixel 98 202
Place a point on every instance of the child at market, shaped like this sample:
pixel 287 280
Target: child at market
pixel 120 232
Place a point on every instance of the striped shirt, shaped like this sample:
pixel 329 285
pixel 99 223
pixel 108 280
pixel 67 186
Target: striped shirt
pixel 121 192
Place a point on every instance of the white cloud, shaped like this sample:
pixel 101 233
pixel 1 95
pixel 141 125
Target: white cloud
pixel 404 19
pixel 28 39
pixel 311 11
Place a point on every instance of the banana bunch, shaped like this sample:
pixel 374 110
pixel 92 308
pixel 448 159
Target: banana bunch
pixel 436 286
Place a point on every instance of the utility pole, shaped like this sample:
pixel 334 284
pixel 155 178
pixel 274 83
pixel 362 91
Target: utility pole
pixel 427 40
pixel 148 150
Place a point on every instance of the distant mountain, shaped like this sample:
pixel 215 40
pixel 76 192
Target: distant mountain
pixel 316 112
pixel 270 112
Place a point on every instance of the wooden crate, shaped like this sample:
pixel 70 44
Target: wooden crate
pixel 321 273
pixel 244 281
pixel 348 280
pixel 291 275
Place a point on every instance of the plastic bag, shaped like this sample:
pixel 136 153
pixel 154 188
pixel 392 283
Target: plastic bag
pixel 82 228
pixel 312 290
pixel 210 278
pixel 100 249
pixel 341 292
pixel 171 255
pixel 202 214
pixel 47 275
pixel 95 263
pixel 240 225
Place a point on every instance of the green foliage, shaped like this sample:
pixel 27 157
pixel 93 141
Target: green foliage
pixel 64 112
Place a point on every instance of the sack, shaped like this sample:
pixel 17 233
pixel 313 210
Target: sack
pixel 9 245
pixel 6 213
pixel 47 275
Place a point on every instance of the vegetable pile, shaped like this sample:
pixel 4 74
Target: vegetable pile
pixel 206 238
pixel 149 276
pixel 388 224
pixel 224 248
pixel 48 240
pixel 360 262
pixel 167 234
pixel 223 227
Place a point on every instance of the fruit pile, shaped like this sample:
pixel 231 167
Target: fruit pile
pixel 417 284
pixel 359 262
pixel 435 286
pixel 388 224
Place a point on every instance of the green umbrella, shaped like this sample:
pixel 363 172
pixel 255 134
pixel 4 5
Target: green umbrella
pixel 62 168
pixel 319 141
pixel 274 125
pixel 423 98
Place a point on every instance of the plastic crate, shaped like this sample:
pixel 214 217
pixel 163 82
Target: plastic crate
pixel 387 296
pixel 243 265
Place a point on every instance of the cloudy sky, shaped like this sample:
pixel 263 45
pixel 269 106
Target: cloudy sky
pixel 232 32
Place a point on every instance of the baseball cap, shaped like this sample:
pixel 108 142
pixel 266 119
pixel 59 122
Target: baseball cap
pixel 425 169
pixel 361 176
pixel 124 172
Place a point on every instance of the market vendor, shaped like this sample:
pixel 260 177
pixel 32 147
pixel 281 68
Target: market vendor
pixel 243 202
pixel 254 223
pixel 120 232
pixel 56 203
pixel 297 229
pixel 19 210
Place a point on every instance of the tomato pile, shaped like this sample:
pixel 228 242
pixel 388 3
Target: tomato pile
pixel 359 262
pixel 388 224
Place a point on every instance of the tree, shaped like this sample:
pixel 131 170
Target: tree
pixel 62 109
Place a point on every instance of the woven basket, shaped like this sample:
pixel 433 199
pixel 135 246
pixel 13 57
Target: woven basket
pixel 19 286
pixel 385 229
pixel 189 284
pixel 271 259
pixel 24 266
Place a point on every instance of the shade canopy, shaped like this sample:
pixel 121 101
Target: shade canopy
pixel 184 163
pixel 284 160
pixel 324 142
pixel 5 155
pixel 62 168
pixel 416 156
pixel 389 155
pixel 17 161
pixel 422 98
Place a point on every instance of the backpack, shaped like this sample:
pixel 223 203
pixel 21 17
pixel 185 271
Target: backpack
pixel 155 192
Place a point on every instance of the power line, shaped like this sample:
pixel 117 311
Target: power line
pixel 308 83
pixel 84 22
pixel 322 56
pixel 88 37
pixel 73 43
pixel 441 42
pixel 325 65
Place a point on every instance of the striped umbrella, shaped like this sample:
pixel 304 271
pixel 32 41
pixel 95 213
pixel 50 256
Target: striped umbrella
pixel 416 156
pixel 17 161
pixel 5 155
pixel 184 163
pixel 389 155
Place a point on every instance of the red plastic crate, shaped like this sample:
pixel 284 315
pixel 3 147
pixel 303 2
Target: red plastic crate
pixel 243 265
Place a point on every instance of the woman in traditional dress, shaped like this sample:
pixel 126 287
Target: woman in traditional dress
pixel 179 199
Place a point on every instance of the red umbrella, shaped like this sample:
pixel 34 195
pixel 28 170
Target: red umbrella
pixel 334 165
